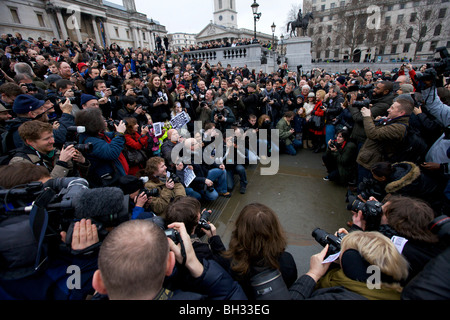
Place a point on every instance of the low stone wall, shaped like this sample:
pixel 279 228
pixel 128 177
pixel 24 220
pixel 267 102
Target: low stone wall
pixel 334 67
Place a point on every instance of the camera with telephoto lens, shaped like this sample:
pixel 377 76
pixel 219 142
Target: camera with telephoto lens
pixel 72 140
pixel 83 148
pixel 324 238
pixel 361 104
pixel 372 211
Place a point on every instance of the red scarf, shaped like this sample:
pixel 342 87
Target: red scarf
pixel 122 159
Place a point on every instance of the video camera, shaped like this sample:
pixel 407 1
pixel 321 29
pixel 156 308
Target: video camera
pixel 372 211
pixel 69 200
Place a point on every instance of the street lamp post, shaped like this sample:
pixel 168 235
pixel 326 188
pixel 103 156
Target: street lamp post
pixel 256 15
pixel 274 27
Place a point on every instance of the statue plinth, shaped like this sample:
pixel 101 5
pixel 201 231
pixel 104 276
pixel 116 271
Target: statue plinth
pixel 298 52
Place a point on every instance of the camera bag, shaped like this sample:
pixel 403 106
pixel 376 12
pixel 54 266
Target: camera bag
pixel 269 285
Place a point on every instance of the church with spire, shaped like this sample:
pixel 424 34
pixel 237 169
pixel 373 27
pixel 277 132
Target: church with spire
pixel 225 28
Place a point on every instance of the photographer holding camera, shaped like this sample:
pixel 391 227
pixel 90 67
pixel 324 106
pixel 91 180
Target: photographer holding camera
pixel 154 257
pixel 20 278
pixel 188 211
pixel 349 280
pixel 39 149
pixel 222 116
pixel 108 163
pixel 168 184
pixel 382 99
pixel 340 159
pixel 383 136
pixel 405 221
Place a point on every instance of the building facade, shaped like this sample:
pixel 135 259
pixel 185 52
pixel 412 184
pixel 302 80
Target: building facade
pixel 224 27
pixel 381 31
pixel 181 40
pixel 103 21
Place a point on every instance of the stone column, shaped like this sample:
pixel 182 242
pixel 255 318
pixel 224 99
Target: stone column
pixel 106 28
pixel 141 41
pixel 97 35
pixel 62 25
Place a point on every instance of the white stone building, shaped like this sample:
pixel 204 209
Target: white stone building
pixel 103 21
pixel 181 40
pixel 384 30
pixel 225 27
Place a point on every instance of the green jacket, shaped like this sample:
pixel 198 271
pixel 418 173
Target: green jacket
pixel 285 135
pixel 382 140
pixel 346 161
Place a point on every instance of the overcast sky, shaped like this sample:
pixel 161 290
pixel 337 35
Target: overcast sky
pixel 191 16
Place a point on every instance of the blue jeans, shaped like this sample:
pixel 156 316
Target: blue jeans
pixel 292 148
pixel 194 194
pixel 209 195
pixel 219 177
pixel 330 131
pixel 240 170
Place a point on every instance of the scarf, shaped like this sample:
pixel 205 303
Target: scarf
pixel 337 278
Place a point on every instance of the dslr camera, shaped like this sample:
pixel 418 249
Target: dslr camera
pixel 324 238
pixel 372 211
pixel 150 192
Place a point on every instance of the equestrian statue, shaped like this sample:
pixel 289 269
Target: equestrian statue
pixel 301 22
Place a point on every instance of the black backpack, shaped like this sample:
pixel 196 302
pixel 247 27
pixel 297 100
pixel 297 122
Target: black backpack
pixel 412 148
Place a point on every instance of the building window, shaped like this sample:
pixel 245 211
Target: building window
pixel 409 33
pixel 220 4
pixel 322 7
pixel 399 18
pixel 406 47
pixel 394 49
pixel 442 13
pixel 437 30
pixel 128 34
pixel 433 45
pixel 336 53
pixel 329 28
pixel 402 6
pixel 40 20
pixel 390 8
pixel 117 31
pixel 15 15
pixel 419 46
pixel 387 20
pixel 427 15
pixel 413 17
pixel 397 34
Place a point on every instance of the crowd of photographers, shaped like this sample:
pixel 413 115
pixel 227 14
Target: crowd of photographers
pixel 88 154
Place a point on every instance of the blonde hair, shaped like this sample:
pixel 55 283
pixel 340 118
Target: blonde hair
pixel 378 250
